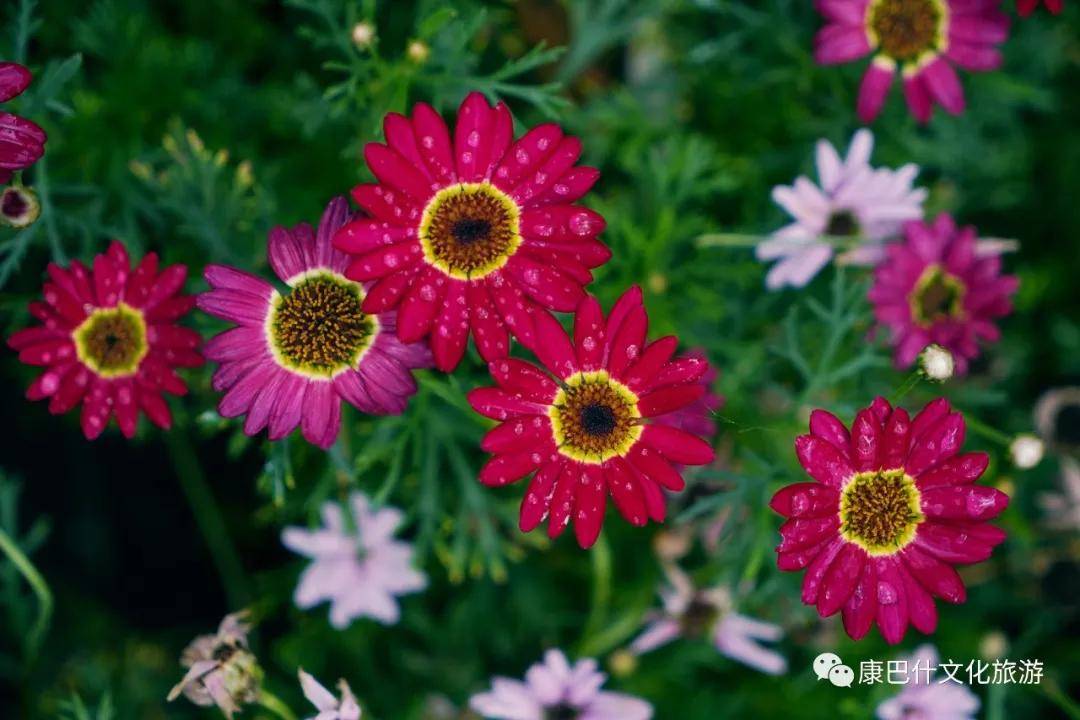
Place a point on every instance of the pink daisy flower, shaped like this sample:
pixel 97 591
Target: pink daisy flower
pixel 356 564
pixel 108 339
pixel 587 422
pixel 921 38
pixel 924 696
pixel 22 143
pixel 556 689
pixel 691 613
pixel 852 199
pixel 941 285
pixel 892 509
pixel 293 358
pixel 1026 7
pixel 471 234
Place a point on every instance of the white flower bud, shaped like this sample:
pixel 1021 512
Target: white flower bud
pixel 1026 451
pixel 418 51
pixel 363 34
pixel 937 363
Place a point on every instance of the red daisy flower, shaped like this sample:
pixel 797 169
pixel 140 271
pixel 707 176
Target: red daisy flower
pixel 22 143
pixel 1026 7
pixel 109 340
pixel 592 428
pixel 893 508
pixel 472 234
pixel 921 38
pixel 940 285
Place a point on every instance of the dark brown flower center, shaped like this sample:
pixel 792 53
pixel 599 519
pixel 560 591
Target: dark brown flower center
pixel 562 711
pixel 594 417
pixel 842 223
pixel 318 328
pixel 13 203
pixel 698 618
pixel 470 230
pixel 905 29
pixel 879 511
pixel 937 295
pixel 112 341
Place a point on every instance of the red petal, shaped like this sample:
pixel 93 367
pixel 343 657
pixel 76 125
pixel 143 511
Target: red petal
pixel 822 461
pixel 537 501
pixel 678 446
pixel 589 503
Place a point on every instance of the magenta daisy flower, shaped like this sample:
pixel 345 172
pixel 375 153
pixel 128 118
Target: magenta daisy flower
pixel 940 285
pixel 108 339
pixel 22 143
pixel 921 38
pixel 893 507
pixel 293 358
pixel 588 423
pixel 471 234
pixel 697 417
pixel 1026 7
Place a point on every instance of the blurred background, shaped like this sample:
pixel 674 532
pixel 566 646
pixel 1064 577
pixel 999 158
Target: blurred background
pixel 191 128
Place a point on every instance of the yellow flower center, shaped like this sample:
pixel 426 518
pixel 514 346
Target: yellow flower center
pixel 937 295
pixel 112 341
pixel 594 417
pixel 907 29
pixel 880 511
pixel 318 329
pixel 470 230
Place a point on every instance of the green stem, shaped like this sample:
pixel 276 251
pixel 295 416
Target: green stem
pixel 37 584
pixel 274 704
pixel 208 517
pixel 907 386
pixel 992 434
pixel 601 587
pixel 1060 699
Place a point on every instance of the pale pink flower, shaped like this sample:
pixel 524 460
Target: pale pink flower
pixel 358 571
pixel 924 697
pixel 555 689
pixel 851 199
pixel 329 707
pixel 221 669
pixel 689 612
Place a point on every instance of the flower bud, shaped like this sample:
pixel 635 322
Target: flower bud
pixel 19 206
pixel 418 51
pixel 363 34
pixel 1026 451
pixel 937 363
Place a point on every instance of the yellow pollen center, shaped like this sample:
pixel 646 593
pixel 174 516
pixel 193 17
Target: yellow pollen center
pixel 880 511
pixel 594 417
pixel 907 29
pixel 937 296
pixel 112 341
pixel 318 329
pixel 470 230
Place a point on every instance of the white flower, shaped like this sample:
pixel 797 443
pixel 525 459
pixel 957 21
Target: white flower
pixel 1026 451
pixel 937 363
pixel 925 697
pixel 554 688
pixel 363 34
pixel 688 612
pixel 853 200
pixel 360 572
pixel 329 707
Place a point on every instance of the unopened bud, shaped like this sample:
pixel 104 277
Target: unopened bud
pixel 363 34
pixel 19 206
pixel 937 363
pixel 418 51
pixel 1026 451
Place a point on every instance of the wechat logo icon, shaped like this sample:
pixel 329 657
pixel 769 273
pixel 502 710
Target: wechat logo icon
pixel 829 666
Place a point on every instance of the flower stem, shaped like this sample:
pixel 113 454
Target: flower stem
pixel 37 583
pixel 906 387
pixel 601 587
pixel 273 703
pixel 208 517
pixel 992 434
pixel 744 240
